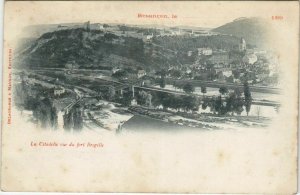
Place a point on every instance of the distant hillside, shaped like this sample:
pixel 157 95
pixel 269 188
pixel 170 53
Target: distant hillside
pixel 254 30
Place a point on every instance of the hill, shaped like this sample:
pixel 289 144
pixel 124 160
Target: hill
pixel 254 30
pixel 81 48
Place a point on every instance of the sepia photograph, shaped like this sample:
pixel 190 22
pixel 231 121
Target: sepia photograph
pixel 120 77
pixel 176 97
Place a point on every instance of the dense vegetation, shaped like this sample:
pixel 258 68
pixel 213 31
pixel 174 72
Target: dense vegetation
pixel 81 49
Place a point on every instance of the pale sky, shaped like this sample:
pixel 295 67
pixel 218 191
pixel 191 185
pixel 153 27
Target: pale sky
pixel 201 14
pixel 208 14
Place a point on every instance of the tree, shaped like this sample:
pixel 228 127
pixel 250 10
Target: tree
pixel 236 74
pixel 218 105
pixel 126 99
pixel 237 92
pixel 212 75
pixel 190 103
pixel 230 79
pixel 45 113
pixel 203 89
pixel 177 85
pixel 176 102
pixel 248 98
pixel 176 73
pixel 205 103
pixel 77 117
pixel 120 74
pixel 188 88
pixel 162 82
pixel 156 98
pixel 142 97
pixel 223 90
pixel 212 104
pixel 68 121
pixel 165 100
pixel 53 117
pixel 161 73
pixel 238 104
pixel 204 106
pixel 230 103
pixel 209 65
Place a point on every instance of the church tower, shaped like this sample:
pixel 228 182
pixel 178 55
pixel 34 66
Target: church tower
pixel 242 45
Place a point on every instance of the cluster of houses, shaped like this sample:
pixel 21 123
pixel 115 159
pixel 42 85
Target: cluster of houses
pixel 220 65
pixel 208 61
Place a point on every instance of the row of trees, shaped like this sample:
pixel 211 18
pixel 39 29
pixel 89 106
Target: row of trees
pixel 186 103
pixel 227 102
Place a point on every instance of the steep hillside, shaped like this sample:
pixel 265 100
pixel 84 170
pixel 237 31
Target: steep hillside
pixel 254 30
pixel 82 49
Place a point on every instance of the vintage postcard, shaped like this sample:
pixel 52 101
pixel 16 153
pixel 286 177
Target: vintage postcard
pixel 150 96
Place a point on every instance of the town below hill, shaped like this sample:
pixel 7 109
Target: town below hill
pixel 178 53
pixel 116 76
